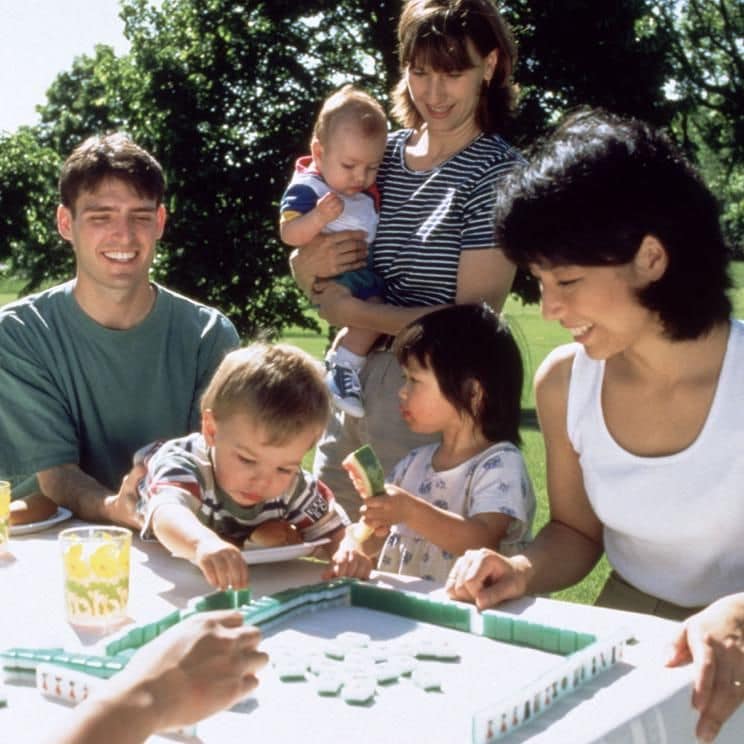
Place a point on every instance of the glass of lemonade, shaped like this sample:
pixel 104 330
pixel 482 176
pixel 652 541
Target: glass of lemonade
pixel 95 561
pixel 4 514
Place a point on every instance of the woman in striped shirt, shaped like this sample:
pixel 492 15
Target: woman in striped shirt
pixel 434 245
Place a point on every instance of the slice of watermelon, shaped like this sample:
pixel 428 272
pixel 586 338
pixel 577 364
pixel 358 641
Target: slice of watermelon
pixel 368 477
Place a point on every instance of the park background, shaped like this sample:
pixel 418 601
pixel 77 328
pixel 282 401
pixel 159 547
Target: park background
pixel 224 93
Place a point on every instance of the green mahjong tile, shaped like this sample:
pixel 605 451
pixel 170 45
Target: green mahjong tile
pixel 498 626
pixel 169 621
pixel 364 595
pixel 329 684
pixel 584 639
pixel 252 614
pixel 527 634
pixel 567 641
pixel 359 690
pixel 187 613
pixel 131 639
pixel 11 656
pixel 150 632
pixel 404 605
pixel 425 610
pixel 448 615
pixel 551 639
pixel 426 679
pixel 289 595
pixel 229 599
pixel 456 616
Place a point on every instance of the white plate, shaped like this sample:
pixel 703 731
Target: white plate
pixel 283 553
pixel 25 529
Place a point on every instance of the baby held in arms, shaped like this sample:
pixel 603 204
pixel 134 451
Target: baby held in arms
pixel 239 482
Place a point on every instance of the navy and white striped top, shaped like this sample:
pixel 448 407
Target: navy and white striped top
pixel 428 217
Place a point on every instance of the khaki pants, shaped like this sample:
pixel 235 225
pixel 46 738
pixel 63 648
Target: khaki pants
pixel 618 594
pixel 382 427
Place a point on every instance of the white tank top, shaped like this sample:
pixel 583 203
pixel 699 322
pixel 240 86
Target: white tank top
pixel 673 525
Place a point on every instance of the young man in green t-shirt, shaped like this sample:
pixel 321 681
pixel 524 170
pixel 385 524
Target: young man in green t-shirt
pixel 96 367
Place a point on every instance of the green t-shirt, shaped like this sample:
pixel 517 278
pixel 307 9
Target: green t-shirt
pixel 73 391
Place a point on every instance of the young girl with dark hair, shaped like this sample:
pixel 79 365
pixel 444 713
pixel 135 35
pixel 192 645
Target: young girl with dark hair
pixel 462 380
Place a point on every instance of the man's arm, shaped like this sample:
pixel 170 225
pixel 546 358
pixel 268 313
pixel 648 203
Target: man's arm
pixel 68 485
pixel 198 667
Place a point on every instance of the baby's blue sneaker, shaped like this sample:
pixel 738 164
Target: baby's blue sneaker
pixel 346 390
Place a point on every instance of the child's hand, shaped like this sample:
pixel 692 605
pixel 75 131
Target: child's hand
pixel 348 560
pixel 221 563
pixel 330 206
pixel 380 512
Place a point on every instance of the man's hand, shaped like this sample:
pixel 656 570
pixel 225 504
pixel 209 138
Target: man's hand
pixel 198 667
pixel 67 485
pixel 121 508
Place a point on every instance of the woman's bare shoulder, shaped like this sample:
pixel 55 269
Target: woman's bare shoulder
pixel 554 371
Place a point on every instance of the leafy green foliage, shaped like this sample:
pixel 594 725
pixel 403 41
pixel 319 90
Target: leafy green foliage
pixel 584 53
pixel 225 93
pixel 708 88
pixel 27 209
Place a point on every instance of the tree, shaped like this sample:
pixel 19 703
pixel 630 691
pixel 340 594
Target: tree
pixel 225 93
pixel 28 172
pixel 708 88
pixel 228 94
pixel 584 53
pixel 90 97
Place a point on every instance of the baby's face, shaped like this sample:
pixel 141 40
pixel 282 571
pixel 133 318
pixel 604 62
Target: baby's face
pixel 250 467
pixel 349 161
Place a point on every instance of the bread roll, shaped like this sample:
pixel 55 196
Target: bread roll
pixel 34 508
pixel 273 534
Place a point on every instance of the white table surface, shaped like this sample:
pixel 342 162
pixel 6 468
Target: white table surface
pixel 636 702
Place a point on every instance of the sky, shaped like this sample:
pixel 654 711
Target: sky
pixel 41 38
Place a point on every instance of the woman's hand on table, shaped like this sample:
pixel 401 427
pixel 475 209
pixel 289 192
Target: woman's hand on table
pixel 221 563
pixel 713 640
pixel 329 254
pixel 198 667
pixel 486 578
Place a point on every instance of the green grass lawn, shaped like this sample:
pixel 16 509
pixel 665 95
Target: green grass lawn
pixel 536 338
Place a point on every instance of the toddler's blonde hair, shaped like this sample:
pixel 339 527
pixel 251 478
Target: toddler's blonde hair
pixel 280 385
